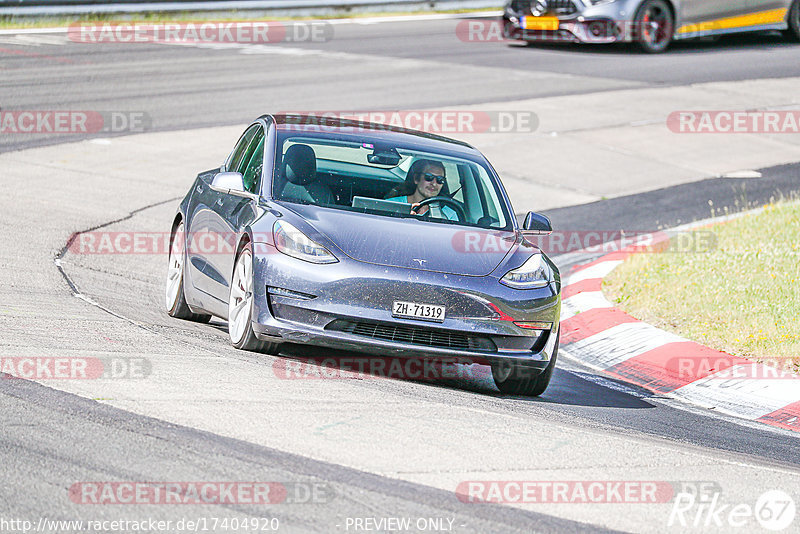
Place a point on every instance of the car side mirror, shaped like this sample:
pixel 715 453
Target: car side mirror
pixel 231 183
pixel 537 223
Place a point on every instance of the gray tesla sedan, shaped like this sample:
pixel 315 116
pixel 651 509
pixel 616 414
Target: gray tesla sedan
pixel 654 24
pixel 368 238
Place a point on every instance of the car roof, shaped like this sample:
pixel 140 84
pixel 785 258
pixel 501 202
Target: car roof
pixel 335 126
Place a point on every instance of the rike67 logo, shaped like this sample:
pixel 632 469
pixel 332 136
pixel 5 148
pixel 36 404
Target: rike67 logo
pixel 698 509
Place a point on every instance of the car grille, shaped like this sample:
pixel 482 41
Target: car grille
pixel 553 36
pixel 562 7
pixel 554 7
pixel 414 335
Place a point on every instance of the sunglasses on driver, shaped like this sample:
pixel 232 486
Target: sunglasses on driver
pixel 429 177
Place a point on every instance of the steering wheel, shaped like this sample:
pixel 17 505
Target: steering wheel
pixel 447 201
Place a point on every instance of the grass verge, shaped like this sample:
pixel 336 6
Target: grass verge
pixel 742 298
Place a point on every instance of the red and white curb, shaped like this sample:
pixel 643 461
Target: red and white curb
pixel 611 341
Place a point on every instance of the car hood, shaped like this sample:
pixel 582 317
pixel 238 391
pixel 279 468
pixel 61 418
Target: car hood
pixel 411 243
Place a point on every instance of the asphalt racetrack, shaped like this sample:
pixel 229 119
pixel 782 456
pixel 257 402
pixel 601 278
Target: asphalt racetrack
pixel 355 452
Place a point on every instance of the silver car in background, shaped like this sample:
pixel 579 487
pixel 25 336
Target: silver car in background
pixel 653 24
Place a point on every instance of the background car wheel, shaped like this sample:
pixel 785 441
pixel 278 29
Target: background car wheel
pixel 174 299
pixel 240 306
pixel 654 26
pixel 517 380
pixel 793 32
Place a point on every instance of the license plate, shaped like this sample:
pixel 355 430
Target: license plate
pixel 415 310
pixel 540 23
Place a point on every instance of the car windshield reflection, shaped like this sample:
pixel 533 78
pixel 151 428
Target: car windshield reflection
pixel 372 177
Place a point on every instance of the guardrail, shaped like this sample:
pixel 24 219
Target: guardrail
pixel 76 7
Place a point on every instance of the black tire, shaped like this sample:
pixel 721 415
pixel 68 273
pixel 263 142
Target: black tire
pixel 793 33
pixel 654 40
pixel 518 380
pixel 176 306
pixel 248 339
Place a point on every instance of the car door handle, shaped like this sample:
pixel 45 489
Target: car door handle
pixel 199 188
pixel 218 202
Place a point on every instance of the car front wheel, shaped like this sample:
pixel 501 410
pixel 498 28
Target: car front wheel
pixel 518 380
pixel 654 26
pixel 240 306
pixel 793 32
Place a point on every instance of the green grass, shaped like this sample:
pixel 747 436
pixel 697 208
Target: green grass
pixel 742 298
pixel 10 22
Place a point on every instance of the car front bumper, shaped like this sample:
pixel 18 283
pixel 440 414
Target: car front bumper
pixel 600 24
pixel 347 305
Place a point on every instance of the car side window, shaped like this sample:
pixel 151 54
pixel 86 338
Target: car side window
pixel 251 172
pixel 239 151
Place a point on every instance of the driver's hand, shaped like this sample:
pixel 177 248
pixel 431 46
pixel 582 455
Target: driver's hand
pixel 415 207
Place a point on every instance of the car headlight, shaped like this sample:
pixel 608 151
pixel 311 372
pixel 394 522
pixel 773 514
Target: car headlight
pixel 296 244
pixel 534 273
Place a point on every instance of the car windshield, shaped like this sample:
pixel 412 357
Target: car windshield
pixel 372 176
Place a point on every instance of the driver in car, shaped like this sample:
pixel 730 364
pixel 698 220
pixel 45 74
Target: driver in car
pixel 425 179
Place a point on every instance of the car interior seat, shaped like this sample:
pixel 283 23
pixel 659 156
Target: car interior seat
pixel 299 173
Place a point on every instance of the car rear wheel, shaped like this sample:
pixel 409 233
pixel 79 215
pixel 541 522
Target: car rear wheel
pixel 654 26
pixel 793 32
pixel 518 380
pixel 240 306
pixel 174 299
